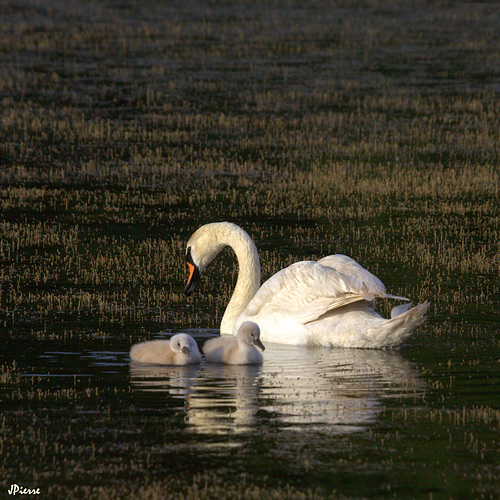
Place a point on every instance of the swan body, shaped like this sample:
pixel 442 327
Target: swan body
pixel 328 303
pixel 236 351
pixel 181 349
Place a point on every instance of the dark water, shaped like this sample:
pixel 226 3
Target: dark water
pixel 411 423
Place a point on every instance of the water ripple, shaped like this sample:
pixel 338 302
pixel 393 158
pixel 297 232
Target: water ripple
pixel 341 390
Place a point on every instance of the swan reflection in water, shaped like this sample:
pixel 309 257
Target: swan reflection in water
pixel 341 390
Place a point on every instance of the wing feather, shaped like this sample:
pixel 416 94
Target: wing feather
pixel 350 267
pixel 307 290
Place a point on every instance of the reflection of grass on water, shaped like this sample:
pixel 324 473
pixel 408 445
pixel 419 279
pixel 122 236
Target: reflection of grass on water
pixel 370 130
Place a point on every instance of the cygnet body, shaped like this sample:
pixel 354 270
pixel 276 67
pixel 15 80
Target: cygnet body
pixel 181 349
pixel 236 351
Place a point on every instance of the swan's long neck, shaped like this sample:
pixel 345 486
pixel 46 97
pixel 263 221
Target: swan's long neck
pixel 248 281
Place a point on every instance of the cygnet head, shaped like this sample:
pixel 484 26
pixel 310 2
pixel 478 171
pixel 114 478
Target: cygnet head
pixel 182 343
pixel 249 332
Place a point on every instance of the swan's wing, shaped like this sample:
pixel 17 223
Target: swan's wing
pixel 349 267
pixel 307 290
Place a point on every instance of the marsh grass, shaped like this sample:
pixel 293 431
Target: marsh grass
pixel 370 129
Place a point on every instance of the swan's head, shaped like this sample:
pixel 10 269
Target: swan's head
pixel 249 332
pixel 202 248
pixel 183 343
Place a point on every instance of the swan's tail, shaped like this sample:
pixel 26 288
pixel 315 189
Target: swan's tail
pixel 395 331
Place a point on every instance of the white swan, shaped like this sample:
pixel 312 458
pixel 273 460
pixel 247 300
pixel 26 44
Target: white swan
pixel 181 349
pixel 329 302
pixel 236 351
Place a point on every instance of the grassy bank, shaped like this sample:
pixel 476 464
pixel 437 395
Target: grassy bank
pixel 328 129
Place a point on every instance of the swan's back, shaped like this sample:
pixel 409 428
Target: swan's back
pixel 305 291
pixel 153 351
pixel 349 267
pixel 221 349
pixel 181 349
pixel 235 351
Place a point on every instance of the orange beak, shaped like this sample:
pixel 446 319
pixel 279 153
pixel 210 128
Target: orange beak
pixel 194 275
pixel 191 268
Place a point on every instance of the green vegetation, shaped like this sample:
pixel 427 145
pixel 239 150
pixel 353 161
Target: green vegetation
pixel 364 128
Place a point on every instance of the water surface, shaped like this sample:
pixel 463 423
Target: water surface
pixel 310 418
